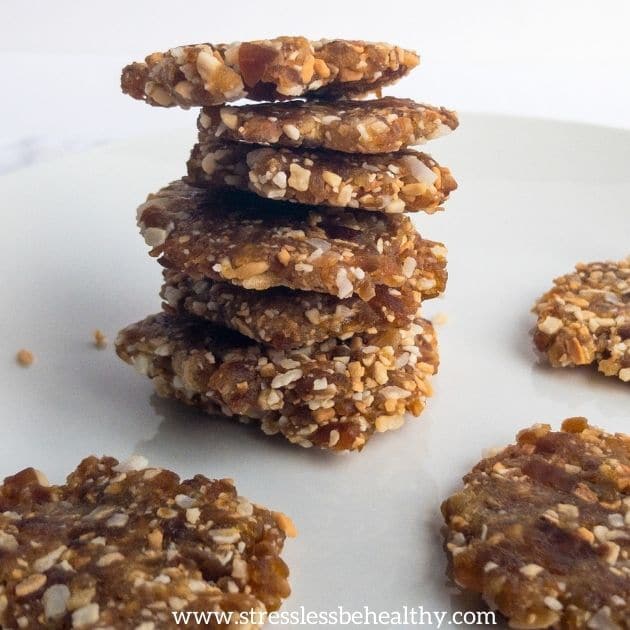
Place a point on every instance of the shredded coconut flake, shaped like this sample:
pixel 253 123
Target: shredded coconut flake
pixel 419 170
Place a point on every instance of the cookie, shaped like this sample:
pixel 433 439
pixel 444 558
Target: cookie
pixel 407 181
pixel 257 244
pixel 283 318
pixel 121 546
pixel 334 394
pixel 585 319
pixel 374 126
pixel 542 529
pixel 263 70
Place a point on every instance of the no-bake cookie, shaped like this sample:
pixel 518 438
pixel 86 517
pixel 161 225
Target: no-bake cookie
pixel 238 237
pixel 334 394
pixel 542 529
pixel 123 545
pixel 374 126
pixel 284 318
pixel 585 319
pixel 280 68
pixel 407 181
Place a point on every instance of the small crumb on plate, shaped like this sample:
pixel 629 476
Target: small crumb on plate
pixel 100 340
pixel 25 357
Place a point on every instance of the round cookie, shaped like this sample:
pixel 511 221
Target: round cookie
pixel 257 243
pixel 122 545
pixel 542 529
pixel 407 181
pixel 374 126
pixel 283 318
pixel 263 70
pixel 334 394
pixel 585 319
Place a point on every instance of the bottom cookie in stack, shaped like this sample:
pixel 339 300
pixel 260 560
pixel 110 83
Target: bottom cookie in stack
pixel 333 394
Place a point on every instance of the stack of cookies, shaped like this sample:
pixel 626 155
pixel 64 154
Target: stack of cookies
pixel 293 277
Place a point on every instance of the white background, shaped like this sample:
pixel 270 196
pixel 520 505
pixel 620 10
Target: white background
pixel 60 61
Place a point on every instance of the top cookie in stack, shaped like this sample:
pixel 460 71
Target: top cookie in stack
pixel 265 70
pixel 304 316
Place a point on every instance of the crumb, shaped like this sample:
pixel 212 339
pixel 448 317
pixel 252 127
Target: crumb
pixel 100 340
pixel 25 357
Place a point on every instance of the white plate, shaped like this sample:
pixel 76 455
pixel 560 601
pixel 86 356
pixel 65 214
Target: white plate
pixel 535 197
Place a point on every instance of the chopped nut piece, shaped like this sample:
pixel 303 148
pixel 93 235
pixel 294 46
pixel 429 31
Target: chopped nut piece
pixel 284 257
pixel 332 179
pixel 85 616
pixel 550 325
pixel 550 551
pixel 299 177
pixel 285 524
pixel 531 570
pixel 228 117
pixel 155 538
pixel 55 600
pixel 134 463
pixel 8 542
pixel 30 585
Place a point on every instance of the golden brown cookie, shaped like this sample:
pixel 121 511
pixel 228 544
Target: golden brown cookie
pixel 283 318
pixel 122 545
pixel 585 319
pixel 542 529
pixel 257 244
pixel 392 183
pixel 334 394
pixel 374 126
pixel 273 69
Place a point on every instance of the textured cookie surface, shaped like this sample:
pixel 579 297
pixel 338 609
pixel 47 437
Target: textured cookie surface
pixel 121 546
pixel 407 181
pixel 284 318
pixel 374 126
pixel 257 244
pixel 542 529
pixel 585 319
pixel 280 68
pixel 334 394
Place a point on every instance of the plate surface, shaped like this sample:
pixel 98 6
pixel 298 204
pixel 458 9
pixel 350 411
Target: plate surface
pixel 535 197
